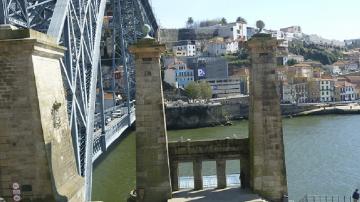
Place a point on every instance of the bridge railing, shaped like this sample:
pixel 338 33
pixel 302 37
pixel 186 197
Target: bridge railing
pixel 326 198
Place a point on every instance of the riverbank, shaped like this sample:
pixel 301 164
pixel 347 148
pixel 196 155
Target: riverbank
pixel 326 110
pixel 199 115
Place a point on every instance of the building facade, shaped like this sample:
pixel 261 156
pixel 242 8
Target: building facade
pixel 327 90
pixel 184 48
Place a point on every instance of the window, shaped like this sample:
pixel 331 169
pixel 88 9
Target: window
pixel 231 29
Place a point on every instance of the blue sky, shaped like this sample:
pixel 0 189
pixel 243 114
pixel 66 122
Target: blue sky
pixel 332 19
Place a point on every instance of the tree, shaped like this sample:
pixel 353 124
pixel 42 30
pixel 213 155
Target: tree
pixel 223 21
pixel 190 22
pixel 292 62
pixel 205 90
pixel 193 90
pixel 260 24
pixel 241 20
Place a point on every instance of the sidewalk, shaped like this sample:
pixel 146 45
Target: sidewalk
pixel 216 195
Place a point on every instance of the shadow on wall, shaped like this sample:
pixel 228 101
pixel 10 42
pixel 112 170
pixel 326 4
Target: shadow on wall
pixel 58 197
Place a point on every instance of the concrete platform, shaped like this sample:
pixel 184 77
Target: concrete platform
pixel 234 194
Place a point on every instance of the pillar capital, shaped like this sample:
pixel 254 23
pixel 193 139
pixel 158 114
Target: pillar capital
pixel 31 40
pixel 262 43
pixel 147 48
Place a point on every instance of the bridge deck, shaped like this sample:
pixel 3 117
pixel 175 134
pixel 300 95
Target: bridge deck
pixel 234 194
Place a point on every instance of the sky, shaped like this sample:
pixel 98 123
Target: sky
pixel 331 19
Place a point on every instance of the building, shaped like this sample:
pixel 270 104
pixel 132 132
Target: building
pixel 226 87
pixel 301 92
pixel 292 29
pixel 250 31
pixel 211 68
pixel 184 48
pixel 279 35
pixel 314 90
pixel 327 85
pixel 297 58
pixel 233 31
pixel 219 46
pixel 178 75
pixel 345 91
pixel 242 74
pixel 346 66
pixel 301 70
pixel 288 93
pixel 334 70
pixel 295 91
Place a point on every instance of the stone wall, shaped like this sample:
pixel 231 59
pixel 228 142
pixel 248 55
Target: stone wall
pixel 36 148
pixel 172 35
pixel 194 116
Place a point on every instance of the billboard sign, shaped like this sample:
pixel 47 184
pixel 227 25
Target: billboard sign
pixel 201 73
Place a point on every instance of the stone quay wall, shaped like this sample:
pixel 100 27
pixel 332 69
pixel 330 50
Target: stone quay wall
pixel 196 116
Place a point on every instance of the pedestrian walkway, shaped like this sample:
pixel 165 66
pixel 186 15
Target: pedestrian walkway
pixel 234 194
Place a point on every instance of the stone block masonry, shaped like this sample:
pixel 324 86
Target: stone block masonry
pixel 36 148
pixel 152 162
pixel 267 158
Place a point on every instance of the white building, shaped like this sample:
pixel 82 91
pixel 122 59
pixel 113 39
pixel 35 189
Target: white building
pixel 288 94
pixel 233 31
pixel 297 58
pixel 335 70
pixel 279 35
pixel 326 90
pixel 221 47
pixel 184 48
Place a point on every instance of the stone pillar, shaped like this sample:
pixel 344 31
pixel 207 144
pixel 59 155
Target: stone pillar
pixel 36 149
pixel 221 173
pixel 152 162
pixel 267 159
pixel 197 170
pixel 174 171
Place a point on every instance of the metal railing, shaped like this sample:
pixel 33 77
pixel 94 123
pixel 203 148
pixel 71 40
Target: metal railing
pixel 326 198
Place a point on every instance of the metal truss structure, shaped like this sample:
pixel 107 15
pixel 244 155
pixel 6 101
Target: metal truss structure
pixel 77 25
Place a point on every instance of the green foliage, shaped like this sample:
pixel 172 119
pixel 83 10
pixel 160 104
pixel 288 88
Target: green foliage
pixel 223 21
pixel 200 90
pixel 292 62
pixel 190 22
pixel 205 90
pixel 241 59
pixel 241 20
pixel 315 52
pixel 193 90
pixel 260 24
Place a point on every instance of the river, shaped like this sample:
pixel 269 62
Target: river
pixel 322 157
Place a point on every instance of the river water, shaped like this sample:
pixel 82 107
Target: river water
pixel 322 157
